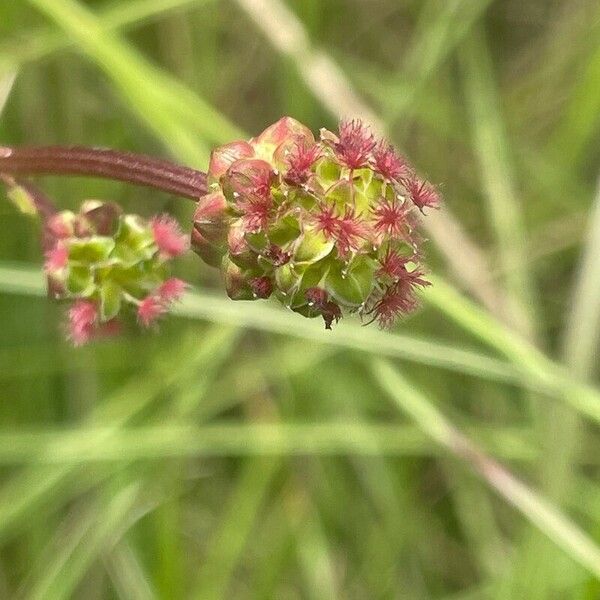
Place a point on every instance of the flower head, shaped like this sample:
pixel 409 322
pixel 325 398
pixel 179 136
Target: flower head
pixel 325 226
pixel 112 267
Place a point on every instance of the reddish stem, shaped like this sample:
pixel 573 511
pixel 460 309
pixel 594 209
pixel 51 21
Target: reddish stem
pixel 109 164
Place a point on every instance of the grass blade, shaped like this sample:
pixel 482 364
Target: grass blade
pixel 539 511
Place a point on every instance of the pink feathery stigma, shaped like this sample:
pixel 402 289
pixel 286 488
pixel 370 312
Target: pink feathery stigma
pixel 422 193
pixel 56 258
pixel 300 160
pixel 256 211
pixel 397 300
pixel 351 232
pixel 391 218
pixel 388 163
pixel 168 236
pixel 326 221
pixel 392 265
pixel 150 309
pixel 355 143
pixel 414 278
pixel 347 230
pixel 172 290
pixel 83 316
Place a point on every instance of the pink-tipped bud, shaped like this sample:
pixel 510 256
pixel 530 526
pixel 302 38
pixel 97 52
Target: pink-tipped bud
pixel 224 156
pixel 285 131
pixel 248 177
pixel 168 236
pixel 60 225
pixel 150 309
pixel 83 316
pixel 210 217
pixel 172 290
pixel 56 258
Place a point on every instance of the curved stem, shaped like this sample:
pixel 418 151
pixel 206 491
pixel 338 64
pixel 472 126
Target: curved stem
pixel 104 163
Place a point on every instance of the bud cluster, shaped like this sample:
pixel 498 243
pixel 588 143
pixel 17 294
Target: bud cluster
pixel 326 226
pixel 111 266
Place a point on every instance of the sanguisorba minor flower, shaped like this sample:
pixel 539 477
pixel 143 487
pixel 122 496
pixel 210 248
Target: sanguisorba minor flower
pixel 327 226
pixel 112 267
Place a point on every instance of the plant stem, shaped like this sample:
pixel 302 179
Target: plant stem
pixel 104 163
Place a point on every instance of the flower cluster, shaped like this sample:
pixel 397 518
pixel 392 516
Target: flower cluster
pixel 111 265
pixel 326 226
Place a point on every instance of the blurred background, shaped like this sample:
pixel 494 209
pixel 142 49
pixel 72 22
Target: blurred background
pixel 241 452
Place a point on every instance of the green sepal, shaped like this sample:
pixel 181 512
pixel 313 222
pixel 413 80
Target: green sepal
pixel 237 280
pixel 90 250
pixel 284 231
pixel 312 247
pixel 134 233
pixel 341 194
pixel 258 241
pixel 110 300
pixel 351 285
pixel 80 281
pixel 328 171
pixel 287 279
pixel 307 311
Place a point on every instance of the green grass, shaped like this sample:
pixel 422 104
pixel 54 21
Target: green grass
pixel 243 452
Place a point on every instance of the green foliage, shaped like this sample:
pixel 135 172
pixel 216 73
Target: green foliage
pixel 244 452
